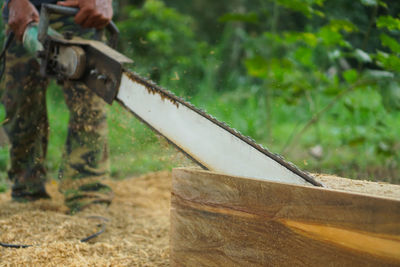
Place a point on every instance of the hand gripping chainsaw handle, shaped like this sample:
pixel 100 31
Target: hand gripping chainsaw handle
pixel 48 9
pixel 35 35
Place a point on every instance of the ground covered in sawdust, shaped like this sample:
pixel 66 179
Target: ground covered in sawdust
pixel 136 234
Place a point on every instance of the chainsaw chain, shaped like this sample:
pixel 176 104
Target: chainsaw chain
pixel 152 86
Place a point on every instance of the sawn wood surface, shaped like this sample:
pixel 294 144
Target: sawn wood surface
pixel 219 220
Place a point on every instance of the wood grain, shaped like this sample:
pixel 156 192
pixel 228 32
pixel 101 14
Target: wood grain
pixel 219 220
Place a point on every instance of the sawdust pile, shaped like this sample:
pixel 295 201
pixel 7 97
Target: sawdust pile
pixel 136 235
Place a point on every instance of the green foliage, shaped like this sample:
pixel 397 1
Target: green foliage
pixel 388 22
pixel 306 7
pixel 391 43
pixel 162 43
pixel 388 61
pixel 350 75
pixel 391 96
pixel 369 2
pixel 249 17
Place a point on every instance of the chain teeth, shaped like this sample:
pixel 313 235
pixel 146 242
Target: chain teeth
pixel 153 87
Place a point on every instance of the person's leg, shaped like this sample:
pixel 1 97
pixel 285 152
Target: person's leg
pixel 85 161
pixel 26 124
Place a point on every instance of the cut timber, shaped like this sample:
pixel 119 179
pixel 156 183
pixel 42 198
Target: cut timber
pixel 219 220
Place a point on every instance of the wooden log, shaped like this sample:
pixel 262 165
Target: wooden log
pixel 219 220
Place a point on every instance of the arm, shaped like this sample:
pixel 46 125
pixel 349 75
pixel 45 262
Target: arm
pixel 21 13
pixel 93 13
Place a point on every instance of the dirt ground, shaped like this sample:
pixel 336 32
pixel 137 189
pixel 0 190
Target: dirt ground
pixel 136 235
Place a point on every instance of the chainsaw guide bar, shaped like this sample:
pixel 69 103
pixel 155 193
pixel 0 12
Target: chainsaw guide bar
pixel 135 90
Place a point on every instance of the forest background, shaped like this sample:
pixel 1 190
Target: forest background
pixel 313 80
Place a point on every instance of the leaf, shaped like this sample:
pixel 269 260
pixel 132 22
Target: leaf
pixel 309 38
pixel 297 5
pixel 274 37
pixel 330 37
pixel 304 56
pixel 388 61
pixel 383 4
pixel 388 22
pixel 319 13
pixel 307 7
pixel 280 69
pixel 390 42
pixel 249 17
pixel 257 67
pixel 306 37
pixel 335 54
pixel 362 56
pixel 369 2
pixel 341 24
pixel 350 75
pixel 379 74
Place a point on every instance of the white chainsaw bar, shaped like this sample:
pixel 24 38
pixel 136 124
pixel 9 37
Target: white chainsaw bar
pixel 210 143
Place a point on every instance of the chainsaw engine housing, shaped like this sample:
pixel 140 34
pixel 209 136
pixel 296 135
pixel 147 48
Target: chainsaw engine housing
pixel 90 62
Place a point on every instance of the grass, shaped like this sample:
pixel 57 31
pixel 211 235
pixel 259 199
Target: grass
pixel 349 139
pixel 361 143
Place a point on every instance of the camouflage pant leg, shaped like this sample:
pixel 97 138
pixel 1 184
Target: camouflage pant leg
pixel 85 160
pixel 26 121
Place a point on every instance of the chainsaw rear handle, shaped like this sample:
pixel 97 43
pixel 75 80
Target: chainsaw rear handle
pixel 48 9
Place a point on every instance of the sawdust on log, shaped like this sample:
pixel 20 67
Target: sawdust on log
pixel 136 235
pixel 378 189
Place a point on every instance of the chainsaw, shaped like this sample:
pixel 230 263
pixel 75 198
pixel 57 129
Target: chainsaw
pixel 210 143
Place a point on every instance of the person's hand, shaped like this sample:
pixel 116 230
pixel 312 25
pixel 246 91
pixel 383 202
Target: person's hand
pixel 93 13
pixel 21 13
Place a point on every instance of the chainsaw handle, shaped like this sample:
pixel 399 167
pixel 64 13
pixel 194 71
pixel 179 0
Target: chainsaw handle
pixel 48 9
